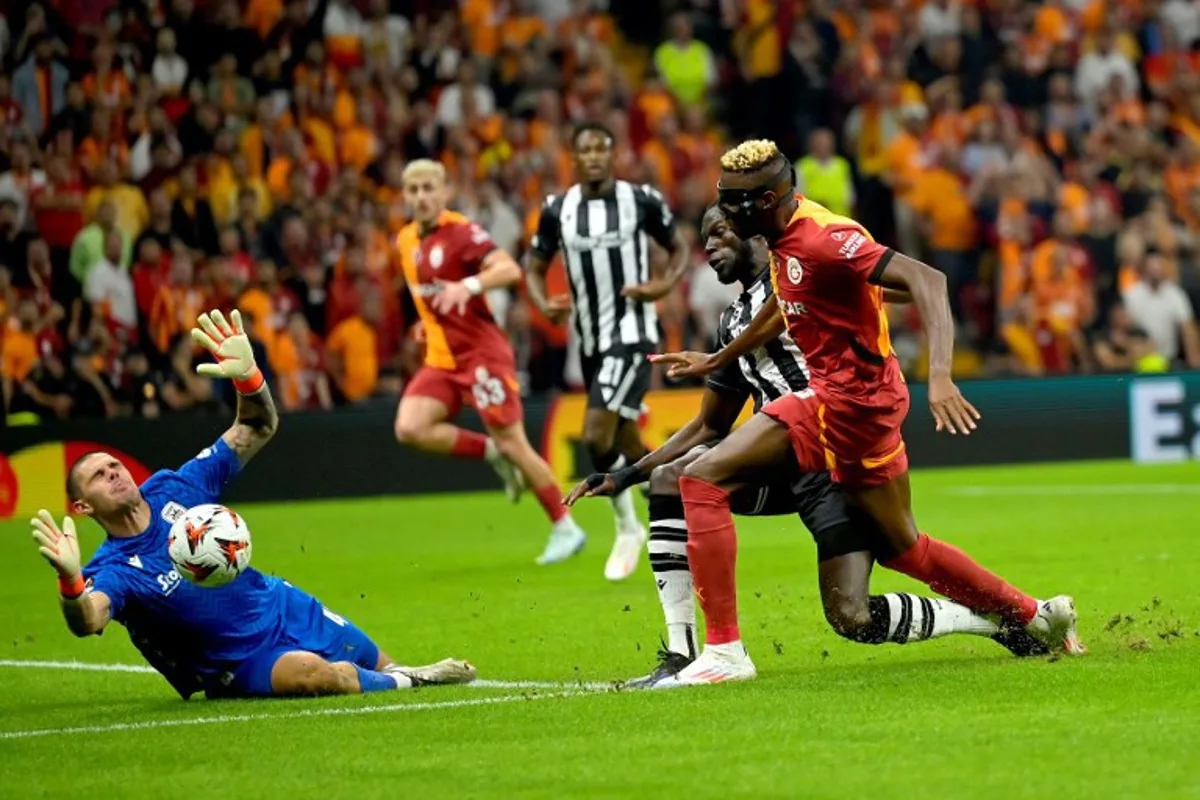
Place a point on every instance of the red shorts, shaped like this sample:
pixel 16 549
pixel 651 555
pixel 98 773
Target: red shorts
pixel 492 388
pixel 860 445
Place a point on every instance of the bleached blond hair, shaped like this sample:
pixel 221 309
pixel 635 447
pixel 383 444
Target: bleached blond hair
pixel 423 167
pixel 750 155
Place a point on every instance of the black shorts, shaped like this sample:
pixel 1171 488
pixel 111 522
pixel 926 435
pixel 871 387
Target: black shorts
pixel 837 527
pixel 617 379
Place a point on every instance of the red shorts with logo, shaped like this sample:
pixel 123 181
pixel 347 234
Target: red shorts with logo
pixel 490 386
pixel 860 445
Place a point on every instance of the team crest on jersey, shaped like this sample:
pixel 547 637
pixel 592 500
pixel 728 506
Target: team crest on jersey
pixel 794 272
pixel 172 511
pixel 436 256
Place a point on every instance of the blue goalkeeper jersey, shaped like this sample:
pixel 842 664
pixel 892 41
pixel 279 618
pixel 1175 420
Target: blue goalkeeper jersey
pixel 195 636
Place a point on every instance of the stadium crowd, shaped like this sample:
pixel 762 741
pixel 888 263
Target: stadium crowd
pixel 159 157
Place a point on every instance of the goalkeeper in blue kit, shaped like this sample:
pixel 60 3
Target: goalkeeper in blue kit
pixel 256 636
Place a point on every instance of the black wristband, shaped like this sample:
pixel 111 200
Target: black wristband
pixel 626 478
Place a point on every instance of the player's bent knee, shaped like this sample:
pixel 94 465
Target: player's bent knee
pixel 307 674
pixel 664 480
pixel 706 468
pixel 848 616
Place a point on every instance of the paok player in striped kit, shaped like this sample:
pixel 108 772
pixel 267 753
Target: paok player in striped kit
pixel 603 227
pixel 848 541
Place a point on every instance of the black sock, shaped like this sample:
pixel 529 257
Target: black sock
pixel 606 462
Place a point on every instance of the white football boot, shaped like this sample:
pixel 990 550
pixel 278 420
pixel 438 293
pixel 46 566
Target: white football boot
pixel 446 672
pixel 717 663
pixel 566 539
pixel 1054 624
pixel 513 478
pixel 626 551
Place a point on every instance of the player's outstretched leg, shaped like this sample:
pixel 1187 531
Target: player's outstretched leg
pixel 600 429
pixel 672 576
pixel 421 424
pixel 951 572
pixel 566 537
pixel 304 674
pixel 712 542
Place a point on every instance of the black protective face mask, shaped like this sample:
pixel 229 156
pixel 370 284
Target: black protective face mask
pixel 744 203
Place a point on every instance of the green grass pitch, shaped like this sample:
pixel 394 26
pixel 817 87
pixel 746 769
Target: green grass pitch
pixel 454 575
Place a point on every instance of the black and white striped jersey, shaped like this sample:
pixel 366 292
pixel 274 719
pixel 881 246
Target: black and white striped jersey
pixel 605 245
pixel 772 371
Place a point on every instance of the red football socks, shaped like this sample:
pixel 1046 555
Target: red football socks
pixel 712 555
pixel 468 444
pixel 550 496
pixel 952 573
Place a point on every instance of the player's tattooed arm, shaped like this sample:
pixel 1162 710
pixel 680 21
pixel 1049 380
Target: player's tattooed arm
pixel 929 291
pixel 256 422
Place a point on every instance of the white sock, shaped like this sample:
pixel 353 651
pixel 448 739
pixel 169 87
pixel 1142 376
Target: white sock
pixel 672 577
pixel 912 618
pixel 491 452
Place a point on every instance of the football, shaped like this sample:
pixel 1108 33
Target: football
pixel 210 545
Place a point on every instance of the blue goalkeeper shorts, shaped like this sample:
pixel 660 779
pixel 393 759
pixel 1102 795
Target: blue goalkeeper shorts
pixel 311 628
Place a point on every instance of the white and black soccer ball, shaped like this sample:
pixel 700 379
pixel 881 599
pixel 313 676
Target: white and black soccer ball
pixel 209 545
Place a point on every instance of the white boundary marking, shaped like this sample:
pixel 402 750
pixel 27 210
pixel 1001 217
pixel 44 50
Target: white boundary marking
pixel 312 712
pixel 1066 491
pixel 84 666
pixel 559 690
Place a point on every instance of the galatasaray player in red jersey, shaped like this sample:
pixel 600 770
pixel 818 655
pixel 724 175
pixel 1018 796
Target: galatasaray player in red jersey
pixel 829 277
pixel 449 262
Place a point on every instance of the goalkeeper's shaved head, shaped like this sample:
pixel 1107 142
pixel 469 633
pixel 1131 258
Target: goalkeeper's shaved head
pixel 756 187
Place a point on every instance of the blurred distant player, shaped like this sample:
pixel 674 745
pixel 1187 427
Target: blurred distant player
pixel 603 227
pixel 256 636
pixel 449 263
pixel 829 277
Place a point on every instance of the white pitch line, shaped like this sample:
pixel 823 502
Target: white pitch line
pixel 83 666
pixel 1065 491
pixel 313 712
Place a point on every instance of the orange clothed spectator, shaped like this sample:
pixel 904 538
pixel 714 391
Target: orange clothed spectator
pixel 938 195
pixel 1055 23
pixel 106 86
pixel 481 18
pixel 176 304
pixel 299 363
pixel 358 146
pixel 517 32
pixel 351 349
pixel 18 347
pixel 262 15
pixel 650 105
pixel 1183 175
pixel 102 145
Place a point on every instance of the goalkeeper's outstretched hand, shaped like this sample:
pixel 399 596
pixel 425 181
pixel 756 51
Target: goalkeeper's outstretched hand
pixel 57 545
pixel 230 346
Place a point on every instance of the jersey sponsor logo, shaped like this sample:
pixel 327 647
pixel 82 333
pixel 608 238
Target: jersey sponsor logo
pixel 427 289
pixel 838 236
pixel 134 561
pixel 436 257
pixel 852 245
pixel 478 234
pixel 602 241
pixel 168 582
pixel 795 272
pixel 205 453
pixel 172 512
pixel 791 308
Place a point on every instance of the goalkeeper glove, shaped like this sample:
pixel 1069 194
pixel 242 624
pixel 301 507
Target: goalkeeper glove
pixel 230 345
pixel 61 548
